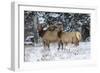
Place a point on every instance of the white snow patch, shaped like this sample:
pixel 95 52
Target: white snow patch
pixel 38 53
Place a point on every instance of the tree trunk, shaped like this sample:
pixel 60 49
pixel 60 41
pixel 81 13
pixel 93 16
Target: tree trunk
pixel 35 20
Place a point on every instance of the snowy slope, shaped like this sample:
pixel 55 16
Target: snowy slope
pixel 38 53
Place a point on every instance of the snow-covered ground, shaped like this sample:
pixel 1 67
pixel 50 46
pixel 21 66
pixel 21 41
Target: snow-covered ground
pixel 38 53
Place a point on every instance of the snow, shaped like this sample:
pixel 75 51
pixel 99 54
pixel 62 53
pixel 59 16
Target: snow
pixel 54 15
pixel 29 37
pixel 41 20
pixel 38 53
pixel 28 40
pixel 28 43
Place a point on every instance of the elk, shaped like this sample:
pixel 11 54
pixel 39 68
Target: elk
pixel 69 37
pixel 55 34
pixel 49 36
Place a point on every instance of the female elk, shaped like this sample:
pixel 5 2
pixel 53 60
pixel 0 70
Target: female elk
pixel 69 37
pixel 49 36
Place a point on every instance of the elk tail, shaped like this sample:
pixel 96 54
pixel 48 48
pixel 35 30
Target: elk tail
pixel 78 35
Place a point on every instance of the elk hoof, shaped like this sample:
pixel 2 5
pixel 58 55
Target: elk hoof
pixel 62 48
pixel 48 49
pixel 58 49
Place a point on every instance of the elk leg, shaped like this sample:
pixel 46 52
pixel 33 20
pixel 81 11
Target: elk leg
pixel 62 45
pixel 66 44
pixel 48 46
pixel 44 44
pixel 77 43
pixel 59 45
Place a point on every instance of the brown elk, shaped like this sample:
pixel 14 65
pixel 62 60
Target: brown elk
pixel 69 37
pixel 55 33
pixel 50 35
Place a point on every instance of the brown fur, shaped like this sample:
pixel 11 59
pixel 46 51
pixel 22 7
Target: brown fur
pixel 55 34
pixel 70 37
pixel 49 36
